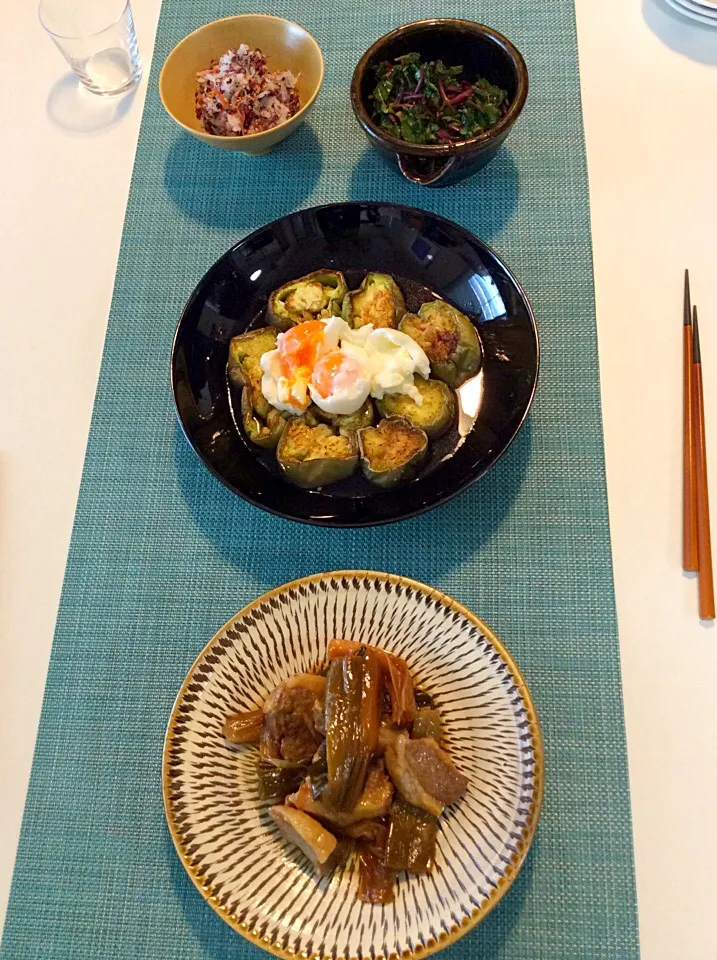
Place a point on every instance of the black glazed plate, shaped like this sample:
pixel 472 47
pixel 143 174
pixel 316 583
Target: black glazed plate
pixel 429 256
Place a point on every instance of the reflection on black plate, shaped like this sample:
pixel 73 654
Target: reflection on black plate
pixel 429 257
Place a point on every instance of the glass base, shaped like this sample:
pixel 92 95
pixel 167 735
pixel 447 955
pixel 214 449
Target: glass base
pixel 110 73
pixel 119 92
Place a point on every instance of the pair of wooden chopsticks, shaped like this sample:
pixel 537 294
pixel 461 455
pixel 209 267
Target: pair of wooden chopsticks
pixel 696 540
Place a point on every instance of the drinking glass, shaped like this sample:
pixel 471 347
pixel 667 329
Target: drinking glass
pixel 97 39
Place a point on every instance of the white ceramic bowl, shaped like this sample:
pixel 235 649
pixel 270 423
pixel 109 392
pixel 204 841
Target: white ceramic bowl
pixel 224 835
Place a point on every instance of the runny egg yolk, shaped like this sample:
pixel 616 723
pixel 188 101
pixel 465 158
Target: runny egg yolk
pixel 335 370
pixel 300 347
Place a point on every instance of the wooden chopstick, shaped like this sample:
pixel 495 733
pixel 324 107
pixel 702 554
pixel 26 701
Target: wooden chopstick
pixel 689 489
pixel 704 542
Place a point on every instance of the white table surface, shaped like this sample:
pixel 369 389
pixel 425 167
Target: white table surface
pixel 649 84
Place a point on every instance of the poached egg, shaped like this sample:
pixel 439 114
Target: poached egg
pixel 338 368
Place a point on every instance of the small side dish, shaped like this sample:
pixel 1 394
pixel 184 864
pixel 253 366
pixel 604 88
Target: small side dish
pixel 352 759
pixel 239 95
pixel 344 379
pixel 297 687
pixel 428 102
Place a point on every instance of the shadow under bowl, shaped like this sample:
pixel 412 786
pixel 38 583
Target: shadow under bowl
pixel 482 52
pixel 286 45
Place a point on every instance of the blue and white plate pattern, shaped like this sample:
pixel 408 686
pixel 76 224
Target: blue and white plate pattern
pixel 222 830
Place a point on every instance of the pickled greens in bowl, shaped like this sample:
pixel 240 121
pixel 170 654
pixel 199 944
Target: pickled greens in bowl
pixel 430 102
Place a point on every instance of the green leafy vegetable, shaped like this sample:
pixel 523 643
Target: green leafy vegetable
pixel 429 102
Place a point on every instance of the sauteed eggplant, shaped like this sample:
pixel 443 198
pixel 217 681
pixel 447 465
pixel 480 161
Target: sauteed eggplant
pixel 448 339
pixel 378 301
pixel 304 381
pixel 392 452
pixel 315 456
pixel 318 294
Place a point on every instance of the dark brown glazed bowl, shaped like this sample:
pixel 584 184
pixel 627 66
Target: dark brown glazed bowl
pixel 483 53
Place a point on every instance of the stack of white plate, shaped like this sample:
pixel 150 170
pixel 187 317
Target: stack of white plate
pixel 704 11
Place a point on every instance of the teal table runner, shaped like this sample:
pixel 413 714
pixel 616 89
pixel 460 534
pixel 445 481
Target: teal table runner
pixel 162 554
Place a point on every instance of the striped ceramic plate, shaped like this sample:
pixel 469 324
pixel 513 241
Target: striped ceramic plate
pixel 224 835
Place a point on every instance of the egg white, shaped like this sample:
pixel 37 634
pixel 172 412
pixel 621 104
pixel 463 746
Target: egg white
pixel 388 360
pixel 395 358
pixel 291 396
pixel 348 395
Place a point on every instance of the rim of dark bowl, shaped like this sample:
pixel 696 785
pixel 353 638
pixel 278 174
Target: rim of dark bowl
pixel 441 149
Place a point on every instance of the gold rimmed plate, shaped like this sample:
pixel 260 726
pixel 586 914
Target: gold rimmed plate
pixel 230 846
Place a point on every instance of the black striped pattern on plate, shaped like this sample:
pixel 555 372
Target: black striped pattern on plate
pixel 222 830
